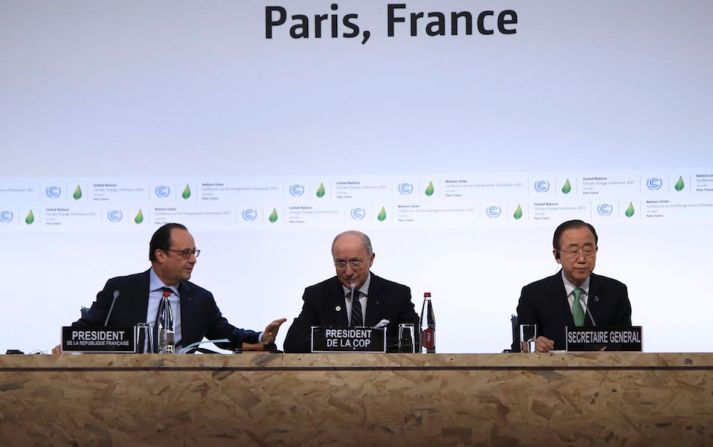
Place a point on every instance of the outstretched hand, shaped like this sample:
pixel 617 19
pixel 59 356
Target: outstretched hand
pixel 270 333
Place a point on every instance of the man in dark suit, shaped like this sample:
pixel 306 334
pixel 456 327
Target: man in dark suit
pixel 135 298
pixel 329 303
pixel 574 296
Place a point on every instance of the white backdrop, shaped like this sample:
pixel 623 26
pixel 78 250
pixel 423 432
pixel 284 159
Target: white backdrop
pixel 179 92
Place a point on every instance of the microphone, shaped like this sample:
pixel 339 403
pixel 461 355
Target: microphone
pixel 111 309
pixel 586 308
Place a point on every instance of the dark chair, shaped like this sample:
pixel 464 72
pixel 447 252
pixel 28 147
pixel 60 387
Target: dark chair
pixel 515 347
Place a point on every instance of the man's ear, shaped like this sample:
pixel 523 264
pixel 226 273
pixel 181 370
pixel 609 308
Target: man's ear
pixel 159 255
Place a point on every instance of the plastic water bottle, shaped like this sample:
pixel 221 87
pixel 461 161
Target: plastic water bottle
pixel 428 325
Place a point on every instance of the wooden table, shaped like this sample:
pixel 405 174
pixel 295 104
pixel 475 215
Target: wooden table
pixel 266 399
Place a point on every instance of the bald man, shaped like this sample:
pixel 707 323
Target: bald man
pixel 329 303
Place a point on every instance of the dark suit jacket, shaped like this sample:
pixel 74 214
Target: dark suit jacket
pixel 387 300
pixel 545 304
pixel 200 316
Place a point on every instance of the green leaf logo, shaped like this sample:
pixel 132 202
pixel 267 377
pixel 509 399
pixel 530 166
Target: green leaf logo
pixel 273 216
pixel 186 192
pixel 518 213
pixel 320 191
pixel 382 215
pixel 30 218
pixel 429 189
pixel 630 210
pixel 77 193
pixel 139 217
pixel 679 184
pixel 567 188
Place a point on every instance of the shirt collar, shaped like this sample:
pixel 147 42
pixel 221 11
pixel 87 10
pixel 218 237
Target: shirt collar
pixel 155 283
pixel 364 289
pixel 569 287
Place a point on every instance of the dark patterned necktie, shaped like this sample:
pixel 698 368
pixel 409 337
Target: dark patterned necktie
pixel 357 318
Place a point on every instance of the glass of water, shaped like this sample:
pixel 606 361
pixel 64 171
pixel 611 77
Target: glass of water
pixel 143 338
pixel 528 337
pixel 406 331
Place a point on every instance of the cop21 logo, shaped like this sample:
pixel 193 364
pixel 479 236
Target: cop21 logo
pixel 493 211
pixel 405 188
pixel 162 191
pixel 358 213
pixel 297 190
pixel 53 191
pixel 6 216
pixel 654 183
pixel 114 215
pixel 249 214
pixel 605 209
pixel 542 186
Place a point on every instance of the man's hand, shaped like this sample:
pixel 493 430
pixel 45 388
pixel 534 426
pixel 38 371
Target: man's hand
pixel 544 344
pixel 270 333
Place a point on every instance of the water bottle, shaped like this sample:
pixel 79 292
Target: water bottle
pixel 428 325
pixel 166 336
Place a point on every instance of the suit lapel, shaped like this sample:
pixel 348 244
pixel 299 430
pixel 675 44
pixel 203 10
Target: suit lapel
pixel 187 304
pixel 374 301
pixel 140 305
pixel 593 298
pixel 337 301
pixel 561 303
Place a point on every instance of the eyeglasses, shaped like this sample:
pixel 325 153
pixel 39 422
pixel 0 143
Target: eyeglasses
pixel 187 253
pixel 574 252
pixel 342 264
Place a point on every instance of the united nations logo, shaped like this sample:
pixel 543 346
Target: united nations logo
pixel 6 216
pixel 53 191
pixel 358 213
pixel 296 190
pixel 162 191
pixel 654 183
pixel 493 211
pixel 605 209
pixel 249 214
pixel 542 186
pixel 405 188
pixel 115 216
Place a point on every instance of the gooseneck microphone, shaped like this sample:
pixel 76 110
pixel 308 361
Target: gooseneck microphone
pixel 111 309
pixel 586 308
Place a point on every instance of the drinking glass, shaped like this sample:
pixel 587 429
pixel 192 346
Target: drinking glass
pixel 528 336
pixel 406 331
pixel 143 338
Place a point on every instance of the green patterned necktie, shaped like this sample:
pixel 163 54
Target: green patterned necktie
pixel 577 311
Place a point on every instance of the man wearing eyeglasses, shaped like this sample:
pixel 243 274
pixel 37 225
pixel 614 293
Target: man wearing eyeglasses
pixel 330 302
pixel 574 296
pixel 136 298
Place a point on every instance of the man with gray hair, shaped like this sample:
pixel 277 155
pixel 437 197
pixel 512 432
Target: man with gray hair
pixel 329 303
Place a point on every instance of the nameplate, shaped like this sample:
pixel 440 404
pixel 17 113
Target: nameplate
pixel 348 339
pixel 603 338
pixel 98 340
